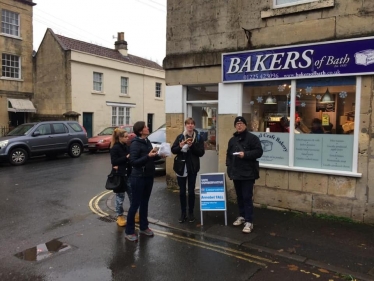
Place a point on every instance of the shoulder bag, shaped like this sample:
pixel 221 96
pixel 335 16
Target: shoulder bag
pixel 179 163
pixel 113 181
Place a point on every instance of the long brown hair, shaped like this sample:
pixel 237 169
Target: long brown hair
pixel 117 133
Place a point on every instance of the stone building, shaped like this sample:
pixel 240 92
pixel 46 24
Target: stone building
pixel 102 86
pixel 309 61
pixel 16 80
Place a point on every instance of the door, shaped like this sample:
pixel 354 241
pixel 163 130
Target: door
pixel 205 116
pixel 150 122
pixel 87 123
pixel 44 141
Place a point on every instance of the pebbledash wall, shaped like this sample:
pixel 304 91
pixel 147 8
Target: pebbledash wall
pixel 305 60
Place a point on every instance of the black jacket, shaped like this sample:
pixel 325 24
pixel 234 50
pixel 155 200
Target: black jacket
pixel 245 168
pixel 118 157
pixel 192 156
pixel 142 164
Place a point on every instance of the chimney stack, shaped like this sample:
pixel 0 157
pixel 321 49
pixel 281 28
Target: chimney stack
pixel 121 45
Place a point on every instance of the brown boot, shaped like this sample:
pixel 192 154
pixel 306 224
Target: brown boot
pixel 137 217
pixel 121 221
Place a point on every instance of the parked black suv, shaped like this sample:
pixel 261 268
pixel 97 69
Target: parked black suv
pixel 49 138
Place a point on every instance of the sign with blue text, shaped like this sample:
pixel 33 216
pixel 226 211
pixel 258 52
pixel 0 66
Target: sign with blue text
pixel 212 192
pixel 334 58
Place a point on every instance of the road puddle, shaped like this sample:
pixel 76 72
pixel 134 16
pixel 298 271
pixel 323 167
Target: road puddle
pixel 43 251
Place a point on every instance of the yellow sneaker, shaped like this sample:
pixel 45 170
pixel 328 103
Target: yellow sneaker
pixel 137 217
pixel 121 221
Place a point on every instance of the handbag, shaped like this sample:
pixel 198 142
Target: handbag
pixel 113 181
pixel 178 165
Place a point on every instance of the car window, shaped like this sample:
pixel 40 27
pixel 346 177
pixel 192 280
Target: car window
pixel 21 130
pixel 127 129
pixel 107 131
pixel 76 127
pixel 59 128
pixel 44 129
pixel 158 136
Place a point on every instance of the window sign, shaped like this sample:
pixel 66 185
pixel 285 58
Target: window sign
pixel 275 148
pixel 328 59
pixel 332 152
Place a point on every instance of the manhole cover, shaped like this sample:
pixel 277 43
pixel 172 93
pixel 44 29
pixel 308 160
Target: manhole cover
pixel 108 219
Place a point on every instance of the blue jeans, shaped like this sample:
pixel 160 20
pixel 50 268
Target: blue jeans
pixel 182 182
pixel 244 194
pixel 141 192
pixel 120 197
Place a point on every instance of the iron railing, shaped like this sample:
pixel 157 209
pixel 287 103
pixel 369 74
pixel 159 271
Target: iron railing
pixel 4 130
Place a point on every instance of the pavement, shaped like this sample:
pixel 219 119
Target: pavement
pixel 331 243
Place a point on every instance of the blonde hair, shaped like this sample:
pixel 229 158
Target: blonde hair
pixel 117 133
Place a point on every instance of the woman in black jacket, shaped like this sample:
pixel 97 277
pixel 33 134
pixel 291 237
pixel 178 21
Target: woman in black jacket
pixel 142 157
pixel 119 156
pixel 190 147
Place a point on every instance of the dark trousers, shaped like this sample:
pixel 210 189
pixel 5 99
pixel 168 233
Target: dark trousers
pixel 182 182
pixel 244 194
pixel 141 188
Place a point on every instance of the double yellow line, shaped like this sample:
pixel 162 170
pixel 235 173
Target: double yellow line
pixel 94 206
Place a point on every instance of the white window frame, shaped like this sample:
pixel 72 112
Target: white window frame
pixel 98 84
pixel 298 2
pixel 120 115
pixel 124 85
pixel 12 59
pixel 10 20
pixel 292 167
pixel 158 91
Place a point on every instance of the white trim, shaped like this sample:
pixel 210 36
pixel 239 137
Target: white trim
pixel 291 142
pixel 311 170
pixel 357 124
pixel 11 36
pixel 119 104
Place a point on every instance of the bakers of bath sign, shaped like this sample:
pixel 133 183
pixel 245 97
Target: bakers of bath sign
pixel 327 59
pixel 275 147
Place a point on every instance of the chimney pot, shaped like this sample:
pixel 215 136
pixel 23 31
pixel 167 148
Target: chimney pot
pixel 121 45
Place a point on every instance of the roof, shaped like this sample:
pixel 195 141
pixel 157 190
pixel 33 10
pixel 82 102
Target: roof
pixel 76 45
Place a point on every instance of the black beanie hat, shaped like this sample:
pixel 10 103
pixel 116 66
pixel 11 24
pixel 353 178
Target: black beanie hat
pixel 240 119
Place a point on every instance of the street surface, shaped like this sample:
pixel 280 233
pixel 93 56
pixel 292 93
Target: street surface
pixel 52 227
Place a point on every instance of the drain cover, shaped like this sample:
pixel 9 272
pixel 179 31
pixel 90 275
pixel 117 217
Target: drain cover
pixel 108 219
pixel 43 251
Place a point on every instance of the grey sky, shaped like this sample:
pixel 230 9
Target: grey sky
pixel 98 21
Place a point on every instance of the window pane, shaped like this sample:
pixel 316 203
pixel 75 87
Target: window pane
pixel 10 66
pixel 285 2
pixel 10 23
pixel 324 123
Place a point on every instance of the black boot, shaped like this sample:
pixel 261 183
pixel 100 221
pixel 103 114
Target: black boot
pixel 191 218
pixel 183 218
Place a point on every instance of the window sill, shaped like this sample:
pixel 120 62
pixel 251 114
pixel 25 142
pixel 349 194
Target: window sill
pixel 161 99
pixel 11 79
pixel 98 93
pixel 274 12
pixel 124 96
pixel 11 36
pixel 310 170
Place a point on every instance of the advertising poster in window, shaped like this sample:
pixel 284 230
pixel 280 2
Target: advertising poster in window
pixel 275 147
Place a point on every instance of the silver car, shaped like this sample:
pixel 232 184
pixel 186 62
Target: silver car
pixel 43 138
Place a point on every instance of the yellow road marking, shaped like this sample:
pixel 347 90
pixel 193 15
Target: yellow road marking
pixel 94 206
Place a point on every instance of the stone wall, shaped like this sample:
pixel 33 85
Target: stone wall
pixel 198 32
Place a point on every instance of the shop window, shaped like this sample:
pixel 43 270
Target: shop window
pixel 266 109
pixel 324 123
pixel 322 116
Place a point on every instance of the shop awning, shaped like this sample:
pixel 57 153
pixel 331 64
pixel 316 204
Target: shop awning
pixel 20 105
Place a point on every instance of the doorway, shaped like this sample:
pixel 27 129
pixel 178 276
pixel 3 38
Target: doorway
pixel 150 122
pixel 87 123
pixel 205 116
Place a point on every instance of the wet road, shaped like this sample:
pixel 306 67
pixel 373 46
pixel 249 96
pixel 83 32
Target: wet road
pixel 45 203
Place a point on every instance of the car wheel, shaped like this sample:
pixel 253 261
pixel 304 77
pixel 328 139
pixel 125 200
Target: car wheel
pixel 75 150
pixel 18 156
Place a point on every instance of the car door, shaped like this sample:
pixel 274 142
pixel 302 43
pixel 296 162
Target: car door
pixel 41 139
pixel 61 135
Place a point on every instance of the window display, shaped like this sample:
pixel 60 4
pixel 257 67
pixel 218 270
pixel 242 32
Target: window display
pixel 322 120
